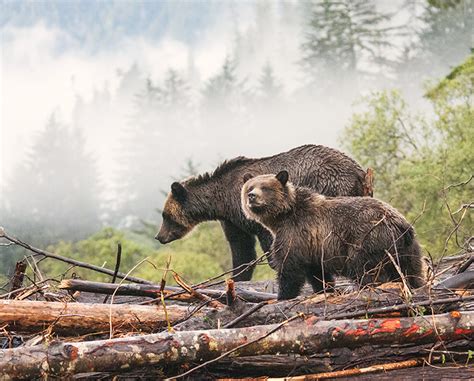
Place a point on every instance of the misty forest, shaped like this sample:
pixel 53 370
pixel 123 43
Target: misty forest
pixel 106 104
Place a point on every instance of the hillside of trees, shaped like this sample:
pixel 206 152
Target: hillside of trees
pixel 58 198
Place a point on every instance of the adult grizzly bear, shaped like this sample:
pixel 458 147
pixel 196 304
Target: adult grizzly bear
pixel 216 196
pixel 317 237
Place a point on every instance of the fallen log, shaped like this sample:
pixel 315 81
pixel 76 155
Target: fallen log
pixel 152 291
pixel 332 360
pixel 171 350
pixel 78 318
pixel 463 280
pixel 382 300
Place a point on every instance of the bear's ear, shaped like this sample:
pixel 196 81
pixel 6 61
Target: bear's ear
pixel 178 191
pixel 247 177
pixel 282 177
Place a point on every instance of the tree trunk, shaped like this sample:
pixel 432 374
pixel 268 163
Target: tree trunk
pixel 171 350
pixel 152 291
pixel 382 300
pixel 332 360
pixel 75 318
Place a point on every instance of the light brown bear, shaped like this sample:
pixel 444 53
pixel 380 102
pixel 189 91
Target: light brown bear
pixel 317 237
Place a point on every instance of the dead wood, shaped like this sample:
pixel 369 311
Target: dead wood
pixel 170 350
pixel 463 280
pixel 196 294
pixel 76 318
pixel 333 360
pixel 369 183
pixel 385 299
pixel 16 281
pixel 152 291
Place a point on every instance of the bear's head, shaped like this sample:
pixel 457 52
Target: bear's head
pixel 176 221
pixel 267 196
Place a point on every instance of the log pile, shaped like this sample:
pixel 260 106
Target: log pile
pixel 222 329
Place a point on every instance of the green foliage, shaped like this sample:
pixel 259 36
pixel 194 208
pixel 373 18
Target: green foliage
pixel 208 239
pixel 423 174
pixel 201 255
pixel 99 249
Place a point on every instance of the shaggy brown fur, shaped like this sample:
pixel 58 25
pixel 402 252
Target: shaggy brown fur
pixel 317 237
pixel 216 196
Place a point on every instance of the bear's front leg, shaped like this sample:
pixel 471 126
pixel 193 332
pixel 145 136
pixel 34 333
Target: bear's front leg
pixel 242 247
pixel 290 281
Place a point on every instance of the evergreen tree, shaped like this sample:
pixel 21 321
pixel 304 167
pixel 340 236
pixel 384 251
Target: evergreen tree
pixel 443 38
pixel 161 114
pixel 344 39
pixel 225 96
pixel 222 88
pixel 269 88
pixel 54 194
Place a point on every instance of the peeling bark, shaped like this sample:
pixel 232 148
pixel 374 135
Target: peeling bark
pixel 170 350
pixel 152 290
pixel 332 306
pixel 76 318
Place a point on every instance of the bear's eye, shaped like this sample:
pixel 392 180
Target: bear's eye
pixel 251 189
pixel 267 189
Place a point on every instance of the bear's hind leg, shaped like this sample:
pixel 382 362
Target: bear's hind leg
pixel 315 277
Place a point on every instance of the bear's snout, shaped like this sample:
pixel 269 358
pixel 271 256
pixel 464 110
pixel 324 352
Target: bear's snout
pixel 164 236
pixel 252 196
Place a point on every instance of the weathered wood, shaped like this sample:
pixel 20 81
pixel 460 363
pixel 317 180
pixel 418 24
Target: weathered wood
pixel 75 318
pixel 369 183
pixel 16 281
pixel 170 350
pixel 331 360
pixel 463 280
pixel 152 291
pixel 381 300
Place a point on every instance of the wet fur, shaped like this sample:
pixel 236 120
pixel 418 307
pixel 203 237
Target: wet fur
pixel 318 237
pixel 216 196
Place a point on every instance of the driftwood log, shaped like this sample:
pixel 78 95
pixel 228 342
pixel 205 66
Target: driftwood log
pixel 334 359
pixel 152 291
pixel 170 350
pixel 379 301
pixel 76 318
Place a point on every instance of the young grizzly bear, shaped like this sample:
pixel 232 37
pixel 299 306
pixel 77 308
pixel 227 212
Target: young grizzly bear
pixel 317 237
pixel 216 196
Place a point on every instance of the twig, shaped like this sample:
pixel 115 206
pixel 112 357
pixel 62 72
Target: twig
pixel 279 326
pixel 118 286
pixel 357 371
pixel 117 267
pixel 465 265
pixel 400 307
pixel 208 283
pixel 238 319
pixel 162 298
pixel 196 294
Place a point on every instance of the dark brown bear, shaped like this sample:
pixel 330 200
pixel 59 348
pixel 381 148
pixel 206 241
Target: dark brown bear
pixel 317 237
pixel 216 196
